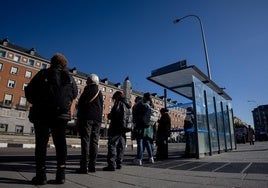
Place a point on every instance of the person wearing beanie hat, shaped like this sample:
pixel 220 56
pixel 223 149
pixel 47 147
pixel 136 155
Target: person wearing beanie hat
pixel 51 93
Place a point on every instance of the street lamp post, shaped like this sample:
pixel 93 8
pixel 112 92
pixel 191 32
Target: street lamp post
pixel 203 38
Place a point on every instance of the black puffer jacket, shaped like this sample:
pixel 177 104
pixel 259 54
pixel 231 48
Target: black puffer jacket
pixel 93 110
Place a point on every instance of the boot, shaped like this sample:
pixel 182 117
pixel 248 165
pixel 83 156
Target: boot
pixel 40 178
pixel 60 175
pixel 83 168
pixel 91 168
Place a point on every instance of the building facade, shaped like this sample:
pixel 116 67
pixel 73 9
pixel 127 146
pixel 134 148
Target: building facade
pixel 18 65
pixel 260 116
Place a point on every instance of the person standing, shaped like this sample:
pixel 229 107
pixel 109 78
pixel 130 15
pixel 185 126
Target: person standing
pixel 251 135
pixel 89 118
pixel 117 131
pixel 189 131
pixel 144 130
pixel 163 132
pixel 51 92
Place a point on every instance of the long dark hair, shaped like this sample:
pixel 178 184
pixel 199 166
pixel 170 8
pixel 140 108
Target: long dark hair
pixel 118 95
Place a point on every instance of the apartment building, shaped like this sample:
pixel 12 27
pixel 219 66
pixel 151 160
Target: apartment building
pixel 18 65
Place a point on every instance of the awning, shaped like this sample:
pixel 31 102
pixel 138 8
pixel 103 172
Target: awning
pixel 178 78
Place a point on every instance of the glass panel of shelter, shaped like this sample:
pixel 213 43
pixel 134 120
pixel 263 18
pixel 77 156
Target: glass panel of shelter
pixel 214 120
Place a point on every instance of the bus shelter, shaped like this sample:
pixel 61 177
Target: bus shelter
pixel 213 125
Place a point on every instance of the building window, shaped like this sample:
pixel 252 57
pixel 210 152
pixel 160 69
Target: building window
pixel 38 64
pixel 22 115
pixel 14 70
pixel 19 129
pixel 44 66
pixel 2 53
pixel 24 59
pixel 16 58
pixel 28 74
pixel 104 97
pixel 1 66
pixel 104 89
pixel 32 130
pixel 11 83
pixel 79 82
pixel 111 90
pixel 23 87
pixel 79 91
pixel 8 99
pixel 3 128
pixel 31 62
pixel 22 101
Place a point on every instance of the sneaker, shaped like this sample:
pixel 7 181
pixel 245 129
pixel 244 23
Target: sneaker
pixel 137 162
pixel 109 168
pixel 151 160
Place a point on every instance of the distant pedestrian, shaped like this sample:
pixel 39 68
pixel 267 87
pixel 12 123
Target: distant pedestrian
pixel 117 131
pixel 163 132
pixel 89 118
pixel 189 131
pixel 251 135
pixel 51 92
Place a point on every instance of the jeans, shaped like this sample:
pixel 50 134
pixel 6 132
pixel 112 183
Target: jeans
pixel 116 149
pixel 42 131
pixel 89 132
pixel 147 145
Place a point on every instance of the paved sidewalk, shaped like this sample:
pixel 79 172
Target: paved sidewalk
pixel 245 167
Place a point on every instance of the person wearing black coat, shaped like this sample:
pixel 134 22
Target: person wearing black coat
pixel 163 132
pixel 51 92
pixel 117 131
pixel 89 119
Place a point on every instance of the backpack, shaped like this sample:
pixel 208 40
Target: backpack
pixel 51 91
pixel 151 116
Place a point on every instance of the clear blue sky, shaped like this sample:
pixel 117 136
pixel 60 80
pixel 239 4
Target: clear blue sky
pixel 119 38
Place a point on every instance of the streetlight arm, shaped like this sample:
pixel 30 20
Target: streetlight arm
pixel 203 38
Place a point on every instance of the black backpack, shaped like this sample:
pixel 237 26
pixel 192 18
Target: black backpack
pixel 51 92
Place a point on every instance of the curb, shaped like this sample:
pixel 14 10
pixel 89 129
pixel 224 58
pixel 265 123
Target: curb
pixel 28 146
